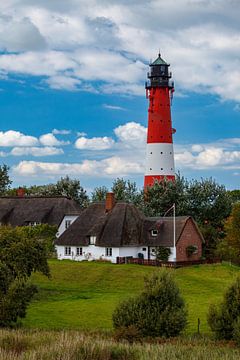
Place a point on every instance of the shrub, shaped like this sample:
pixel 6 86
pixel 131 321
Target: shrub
pixel 130 334
pixel 162 253
pixel 224 320
pixel 158 311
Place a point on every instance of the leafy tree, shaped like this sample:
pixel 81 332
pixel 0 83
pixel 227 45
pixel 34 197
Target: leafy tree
pixel 224 320
pixel 21 253
pixel 5 181
pixel 229 248
pixel 234 195
pixel 99 193
pixel 126 190
pixel 158 311
pixel 163 194
pixel 208 202
pixel 64 187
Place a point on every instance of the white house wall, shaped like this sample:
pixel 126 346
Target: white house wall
pixel 90 253
pixel 93 252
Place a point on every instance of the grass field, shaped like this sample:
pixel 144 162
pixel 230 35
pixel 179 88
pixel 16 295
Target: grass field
pixel 84 295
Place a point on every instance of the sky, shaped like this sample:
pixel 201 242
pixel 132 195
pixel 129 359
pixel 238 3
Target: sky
pixel 72 88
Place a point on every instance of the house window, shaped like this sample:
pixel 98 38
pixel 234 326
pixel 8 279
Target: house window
pixel 34 223
pixel 92 240
pixel 108 251
pixel 67 223
pixel 195 250
pixel 144 249
pixel 154 232
pixel 67 250
pixel 79 251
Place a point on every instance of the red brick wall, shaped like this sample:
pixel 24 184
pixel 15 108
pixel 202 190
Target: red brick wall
pixel 190 236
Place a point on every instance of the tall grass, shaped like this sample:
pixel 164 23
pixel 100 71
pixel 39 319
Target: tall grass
pixel 73 345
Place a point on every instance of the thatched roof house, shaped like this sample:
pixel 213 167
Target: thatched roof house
pixel 103 231
pixel 32 210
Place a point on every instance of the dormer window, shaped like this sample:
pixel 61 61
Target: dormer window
pixel 92 240
pixel 154 232
pixel 67 223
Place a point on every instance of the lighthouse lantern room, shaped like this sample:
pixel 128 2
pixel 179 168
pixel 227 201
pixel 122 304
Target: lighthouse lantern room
pixel 160 156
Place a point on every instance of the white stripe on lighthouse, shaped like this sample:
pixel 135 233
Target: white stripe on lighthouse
pixel 160 159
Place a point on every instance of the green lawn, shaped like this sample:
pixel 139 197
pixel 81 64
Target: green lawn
pixel 84 295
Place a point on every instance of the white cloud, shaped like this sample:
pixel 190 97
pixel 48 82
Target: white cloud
pixel 51 140
pixel 20 35
pixel 81 133
pixel 36 151
pixel 113 166
pixel 95 143
pixel 16 138
pixel 61 132
pixel 63 82
pixel 131 134
pixel 110 41
pixel 209 157
pixel 113 107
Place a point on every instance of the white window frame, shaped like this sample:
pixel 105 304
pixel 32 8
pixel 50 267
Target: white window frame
pixel 67 251
pixel 92 240
pixel 196 250
pixel 108 251
pixel 67 223
pixel 34 223
pixel 154 232
pixel 79 251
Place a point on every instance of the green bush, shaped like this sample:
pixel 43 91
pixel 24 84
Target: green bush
pixel 224 320
pixel 158 311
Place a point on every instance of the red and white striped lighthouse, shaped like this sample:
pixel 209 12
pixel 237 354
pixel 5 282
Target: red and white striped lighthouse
pixel 160 156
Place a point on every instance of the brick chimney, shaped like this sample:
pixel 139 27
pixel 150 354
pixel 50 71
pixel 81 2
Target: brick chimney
pixel 20 192
pixel 110 201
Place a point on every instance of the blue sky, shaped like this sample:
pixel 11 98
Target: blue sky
pixel 72 97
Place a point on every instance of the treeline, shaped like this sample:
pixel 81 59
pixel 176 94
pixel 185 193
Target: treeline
pixel 215 209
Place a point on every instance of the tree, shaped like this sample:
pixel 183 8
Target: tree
pixel 208 202
pixel 158 311
pixel 224 320
pixel 99 193
pixel 229 247
pixel 163 194
pixel 5 181
pixel 234 195
pixel 126 190
pixel 64 187
pixel 21 253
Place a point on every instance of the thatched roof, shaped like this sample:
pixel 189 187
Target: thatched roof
pixel 124 225
pixel 165 227
pixel 19 211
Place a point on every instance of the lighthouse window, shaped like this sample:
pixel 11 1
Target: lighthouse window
pixel 150 168
pixel 161 168
pixel 151 152
pixel 161 152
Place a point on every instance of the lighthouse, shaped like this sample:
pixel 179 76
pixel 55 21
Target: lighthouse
pixel 160 155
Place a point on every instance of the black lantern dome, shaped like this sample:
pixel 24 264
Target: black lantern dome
pixel 159 75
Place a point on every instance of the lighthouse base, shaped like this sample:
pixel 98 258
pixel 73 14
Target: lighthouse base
pixel 149 180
